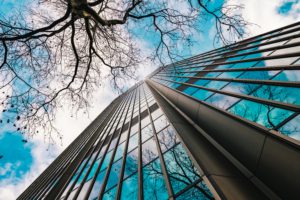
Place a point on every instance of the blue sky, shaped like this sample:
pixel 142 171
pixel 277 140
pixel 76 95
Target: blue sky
pixel 286 7
pixel 16 158
pixel 22 162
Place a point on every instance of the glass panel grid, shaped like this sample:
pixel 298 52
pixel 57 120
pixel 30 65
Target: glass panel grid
pixel 235 81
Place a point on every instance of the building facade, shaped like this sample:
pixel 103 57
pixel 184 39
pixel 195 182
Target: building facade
pixel 220 125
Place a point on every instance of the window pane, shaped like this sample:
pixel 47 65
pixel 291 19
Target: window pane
pixel 97 185
pixel 198 192
pixel 292 128
pixel 149 151
pixel 216 84
pixel 288 75
pixel 130 188
pixel 145 121
pixel 91 174
pixel 156 113
pixel 114 174
pixel 106 161
pixel 119 152
pixel 110 195
pixel 180 168
pixel 123 137
pixel 84 190
pixel 222 101
pixel 240 88
pixel 160 123
pixel 75 176
pixel 147 132
pixel 247 64
pixel 133 142
pixel 113 144
pixel 190 90
pixel 204 82
pixel 93 170
pixel 229 74
pixel 265 115
pixel 153 182
pixel 258 75
pixel 134 129
pixel 280 61
pixel 72 194
pixel 167 138
pixel 277 93
pixel 131 164
pixel 202 94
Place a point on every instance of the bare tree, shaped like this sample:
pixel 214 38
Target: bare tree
pixel 57 52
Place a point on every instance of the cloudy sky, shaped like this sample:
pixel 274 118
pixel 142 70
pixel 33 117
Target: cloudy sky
pixel 23 162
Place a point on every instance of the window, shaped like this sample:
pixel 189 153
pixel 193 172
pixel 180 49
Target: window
pixel 130 188
pixel 147 132
pixel 149 151
pixel 180 168
pixel 153 182
pixel 160 123
pixel 292 128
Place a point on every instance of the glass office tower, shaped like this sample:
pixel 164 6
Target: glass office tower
pixel 220 125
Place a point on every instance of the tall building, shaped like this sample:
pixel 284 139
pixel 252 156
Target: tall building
pixel 220 125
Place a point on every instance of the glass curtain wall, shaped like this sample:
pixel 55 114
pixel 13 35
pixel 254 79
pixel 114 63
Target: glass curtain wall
pixel 137 155
pixel 257 80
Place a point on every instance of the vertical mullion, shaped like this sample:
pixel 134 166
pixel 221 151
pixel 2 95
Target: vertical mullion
pixel 87 156
pixel 55 170
pixel 140 164
pixel 163 164
pixel 119 186
pixel 95 159
pixel 118 118
pixel 103 187
pixel 59 169
pixel 73 164
pixel 98 145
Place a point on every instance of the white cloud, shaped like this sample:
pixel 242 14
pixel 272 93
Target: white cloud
pixel 12 187
pixel 265 14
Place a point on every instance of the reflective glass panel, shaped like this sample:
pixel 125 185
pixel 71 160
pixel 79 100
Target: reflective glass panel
pixel 156 113
pixel 133 142
pixel 114 174
pixel 153 182
pixel 190 90
pixel 106 160
pixel 221 101
pixel 119 152
pixel 198 192
pixel 97 185
pixel 202 94
pixel 167 138
pixel 149 151
pixel 147 132
pixel 292 128
pixel 180 168
pixel 160 123
pixel 130 188
pixel 131 164
pixel 110 195
pixel 263 114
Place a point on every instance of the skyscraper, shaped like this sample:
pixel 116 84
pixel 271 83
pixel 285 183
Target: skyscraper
pixel 220 125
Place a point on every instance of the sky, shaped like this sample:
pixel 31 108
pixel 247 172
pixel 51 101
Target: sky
pixel 23 162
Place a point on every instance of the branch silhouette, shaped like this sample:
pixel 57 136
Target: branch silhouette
pixel 58 52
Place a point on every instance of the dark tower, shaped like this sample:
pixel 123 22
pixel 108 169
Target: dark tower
pixel 220 125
